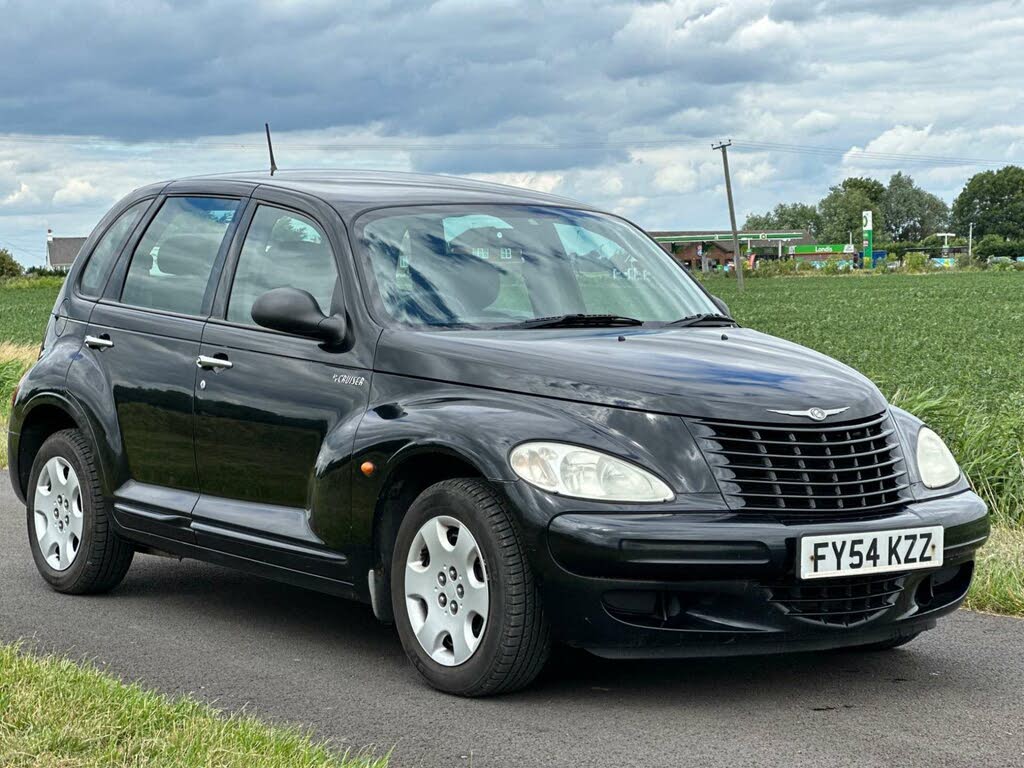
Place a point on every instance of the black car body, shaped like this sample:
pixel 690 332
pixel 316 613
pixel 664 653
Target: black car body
pixel 299 461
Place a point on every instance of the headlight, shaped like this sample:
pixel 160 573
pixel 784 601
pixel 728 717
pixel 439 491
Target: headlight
pixel 570 470
pixel 936 464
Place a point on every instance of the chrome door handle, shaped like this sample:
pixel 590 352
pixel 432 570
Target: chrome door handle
pixel 98 342
pixel 214 363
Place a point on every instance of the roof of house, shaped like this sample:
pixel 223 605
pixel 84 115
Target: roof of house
pixel 63 250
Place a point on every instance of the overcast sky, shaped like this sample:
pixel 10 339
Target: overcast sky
pixel 612 103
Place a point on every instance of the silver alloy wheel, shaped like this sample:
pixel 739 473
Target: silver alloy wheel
pixel 57 504
pixel 446 592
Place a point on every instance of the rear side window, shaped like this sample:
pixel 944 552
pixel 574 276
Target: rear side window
pixel 282 249
pixel 171 266
pixel 97 269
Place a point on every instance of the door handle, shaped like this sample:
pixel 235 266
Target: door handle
pixel 213 363
pixel 98 342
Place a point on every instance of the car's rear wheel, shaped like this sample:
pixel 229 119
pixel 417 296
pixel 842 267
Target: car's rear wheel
pixel 465 603
pixel 69 529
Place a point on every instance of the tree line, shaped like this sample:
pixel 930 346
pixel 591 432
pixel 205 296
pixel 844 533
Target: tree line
pixel 906 214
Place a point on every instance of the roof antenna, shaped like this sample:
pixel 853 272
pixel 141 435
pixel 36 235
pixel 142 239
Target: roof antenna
pixel 270 148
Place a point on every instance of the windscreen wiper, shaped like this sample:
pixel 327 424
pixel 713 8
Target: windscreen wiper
pixel 704 318
pixel 576 321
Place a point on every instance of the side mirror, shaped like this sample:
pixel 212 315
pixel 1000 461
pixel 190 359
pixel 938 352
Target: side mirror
pixel 722 306
pixel 295 311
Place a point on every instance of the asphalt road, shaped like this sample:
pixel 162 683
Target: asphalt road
pixel 954 697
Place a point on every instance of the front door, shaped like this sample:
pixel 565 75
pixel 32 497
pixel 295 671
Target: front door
pixel 146 337
pixel 267 401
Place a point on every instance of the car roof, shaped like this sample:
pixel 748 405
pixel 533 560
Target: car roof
pixel 353 191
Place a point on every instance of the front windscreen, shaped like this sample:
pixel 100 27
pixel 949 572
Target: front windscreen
pixel 488 266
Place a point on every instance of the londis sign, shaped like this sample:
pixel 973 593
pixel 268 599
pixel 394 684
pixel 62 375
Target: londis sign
pixel 820 250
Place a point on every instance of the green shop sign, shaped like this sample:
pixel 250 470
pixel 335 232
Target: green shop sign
pixel 820 250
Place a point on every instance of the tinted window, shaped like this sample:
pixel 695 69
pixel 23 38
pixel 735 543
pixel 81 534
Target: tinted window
pixel 282 249
pixel 97 269
pixel 171 266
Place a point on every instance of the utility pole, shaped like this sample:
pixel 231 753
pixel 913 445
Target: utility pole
pixel 970 243
pixel 737 263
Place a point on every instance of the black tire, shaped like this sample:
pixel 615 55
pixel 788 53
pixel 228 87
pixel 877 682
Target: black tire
pixel 102 557
pixel 515 643
pixel 884 645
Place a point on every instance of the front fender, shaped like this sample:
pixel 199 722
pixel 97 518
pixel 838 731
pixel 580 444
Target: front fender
pixel 408 417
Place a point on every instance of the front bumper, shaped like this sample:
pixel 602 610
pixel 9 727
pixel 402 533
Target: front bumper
pixel 722 583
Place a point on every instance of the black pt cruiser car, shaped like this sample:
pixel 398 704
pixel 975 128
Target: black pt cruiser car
pixel 502 418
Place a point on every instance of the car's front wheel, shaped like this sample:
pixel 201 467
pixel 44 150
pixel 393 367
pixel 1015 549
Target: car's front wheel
pixel 69 526
pixel 466 606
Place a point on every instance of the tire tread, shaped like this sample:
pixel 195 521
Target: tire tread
pixel 109 556
pixel 526 641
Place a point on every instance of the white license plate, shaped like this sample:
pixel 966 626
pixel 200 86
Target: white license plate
pixel 849 554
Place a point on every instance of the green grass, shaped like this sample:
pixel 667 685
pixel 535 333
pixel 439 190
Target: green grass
pixel 962 332
pixel 15 359
pixel 998 585
pixel 25 305
pixel 54 712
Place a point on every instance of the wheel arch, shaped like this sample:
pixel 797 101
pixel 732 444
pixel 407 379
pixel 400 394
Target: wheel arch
pixel 45 415
pixel 410 472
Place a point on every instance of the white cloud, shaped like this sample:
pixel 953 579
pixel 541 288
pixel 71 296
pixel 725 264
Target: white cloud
pixel 22 197
pixel 539 182
pixel 77 192
pixel 816 121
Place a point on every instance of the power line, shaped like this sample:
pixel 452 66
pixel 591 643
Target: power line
pixel 20 251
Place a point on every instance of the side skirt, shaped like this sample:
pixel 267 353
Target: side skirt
pixel 163 521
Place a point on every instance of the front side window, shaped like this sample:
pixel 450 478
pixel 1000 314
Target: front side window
pixel 171 266
pixel 97 269
pixel 489 266
pixel 282 249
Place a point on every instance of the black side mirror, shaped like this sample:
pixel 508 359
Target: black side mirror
pixel 722 306
pixel 295 311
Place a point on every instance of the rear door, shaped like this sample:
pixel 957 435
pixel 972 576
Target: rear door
pixel 268 401
pixel 145 336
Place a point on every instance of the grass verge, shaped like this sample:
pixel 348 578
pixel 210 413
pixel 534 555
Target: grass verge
pixel 54 712
pixel 998 585
pixel 15 359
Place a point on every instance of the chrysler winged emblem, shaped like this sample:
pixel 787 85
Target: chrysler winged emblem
pixel 815 414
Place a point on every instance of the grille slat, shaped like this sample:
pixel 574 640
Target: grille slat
pixel 841 602
pixel 852 469
pixel 794 454
pixel 826 483
pixel 819 442
pixel 805 470
pixel 799 428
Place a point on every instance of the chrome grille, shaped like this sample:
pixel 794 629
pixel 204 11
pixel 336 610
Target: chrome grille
pixel 851 470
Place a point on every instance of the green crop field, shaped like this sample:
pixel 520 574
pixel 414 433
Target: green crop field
pixel 25 305
pixel 962 333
